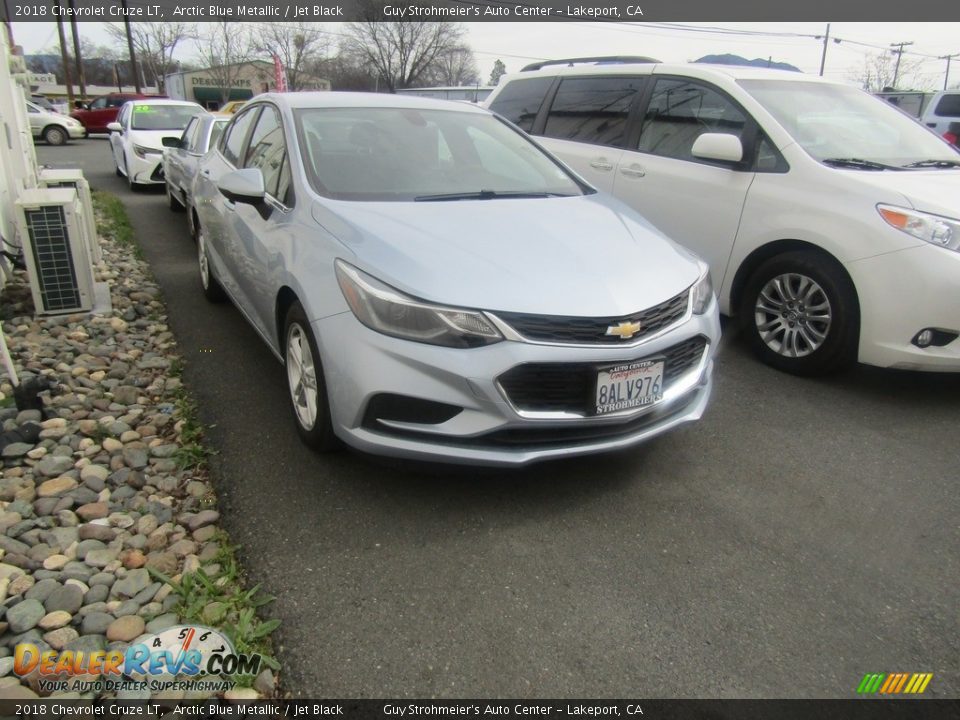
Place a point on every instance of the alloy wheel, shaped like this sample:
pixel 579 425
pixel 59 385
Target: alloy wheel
pixel 301 376
pixel 793 315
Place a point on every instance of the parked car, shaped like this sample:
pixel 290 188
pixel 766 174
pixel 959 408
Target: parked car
pixel 43 103
pixel 100 112
pixel 439 287
pixel 942 115
pixel 52 127
pixel 231 107
pixel 830 219
pixel 137 135
pixel 181 156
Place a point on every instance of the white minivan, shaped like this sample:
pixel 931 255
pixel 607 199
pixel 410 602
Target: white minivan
pixel 830 220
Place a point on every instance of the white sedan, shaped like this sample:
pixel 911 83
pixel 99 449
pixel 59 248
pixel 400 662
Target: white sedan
pixel 54 128
pixel 136 138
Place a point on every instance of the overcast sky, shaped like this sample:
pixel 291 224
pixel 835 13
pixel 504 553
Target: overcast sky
pixel 519 43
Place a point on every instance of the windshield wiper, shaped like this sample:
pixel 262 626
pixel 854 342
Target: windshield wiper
pixel 859 163
pixel 933 164
pixel 487 195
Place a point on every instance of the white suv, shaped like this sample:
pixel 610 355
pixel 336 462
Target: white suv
pixel 830 220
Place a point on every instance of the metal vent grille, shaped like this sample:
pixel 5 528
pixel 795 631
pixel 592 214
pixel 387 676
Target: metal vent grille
pixel 50 244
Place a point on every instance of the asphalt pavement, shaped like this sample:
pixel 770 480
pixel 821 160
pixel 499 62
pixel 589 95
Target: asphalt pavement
pixel 804 533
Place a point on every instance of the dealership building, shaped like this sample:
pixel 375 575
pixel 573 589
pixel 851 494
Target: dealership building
pixel 248 79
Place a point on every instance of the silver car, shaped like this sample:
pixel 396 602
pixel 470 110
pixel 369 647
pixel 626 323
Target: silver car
pixel 181 156
pixel 439 287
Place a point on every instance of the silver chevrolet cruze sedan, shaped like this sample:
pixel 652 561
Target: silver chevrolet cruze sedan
pixel 440 287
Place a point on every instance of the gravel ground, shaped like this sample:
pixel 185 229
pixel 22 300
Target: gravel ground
pixel 96 489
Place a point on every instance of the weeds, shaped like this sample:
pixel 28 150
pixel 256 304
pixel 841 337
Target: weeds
pixel 113 220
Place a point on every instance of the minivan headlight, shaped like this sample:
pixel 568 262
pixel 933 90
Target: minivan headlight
pixel 701 294
pixel 934 229
pixel 381 308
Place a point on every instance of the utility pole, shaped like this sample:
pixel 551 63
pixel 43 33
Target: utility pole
pixel 133 55
pixel 6 21
pixel 899 53
pixel 823 57
pixel 77 57
pixel 946 78
pixel 67 79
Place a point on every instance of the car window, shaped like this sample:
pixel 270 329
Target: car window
pixel 124 115
pixel 949 106
pixel 592 109
pixel 189 134
pixel 232 145
pixel 404 154
pixel 98 104
pixel 150 116
pixel 268 152
pixel 32 108
pixel 520 101
pixel 216 130
pixel 681 111
pixel 115 101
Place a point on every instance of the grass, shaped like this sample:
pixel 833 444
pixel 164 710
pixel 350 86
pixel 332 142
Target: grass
pixel 113 220
pixel 220 600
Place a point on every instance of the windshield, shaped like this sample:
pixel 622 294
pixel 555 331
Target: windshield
pixel 836 122
pixel 402 154
pixel 161 117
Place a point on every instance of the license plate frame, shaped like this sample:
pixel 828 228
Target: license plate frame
pixel 624 377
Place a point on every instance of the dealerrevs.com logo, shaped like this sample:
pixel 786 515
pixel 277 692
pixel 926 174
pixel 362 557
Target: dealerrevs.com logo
pixel 183 657
pixel 894 683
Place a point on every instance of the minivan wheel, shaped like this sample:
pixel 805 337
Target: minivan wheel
pixel 212 289
pixel 54 135
pixel 800 314
pixel 308 391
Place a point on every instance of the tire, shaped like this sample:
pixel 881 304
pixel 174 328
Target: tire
pixel 800 314
pixel 134 187
pixel 55 135
pixel 172 200
pixel 301 359
pixel 212 289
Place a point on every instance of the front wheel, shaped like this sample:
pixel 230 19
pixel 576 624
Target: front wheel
pixel 800 314
pixel 55 135
pixel 308 391
pixel 212 289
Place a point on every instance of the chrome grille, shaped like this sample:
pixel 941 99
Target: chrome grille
pixel 569 387
pixel 592 330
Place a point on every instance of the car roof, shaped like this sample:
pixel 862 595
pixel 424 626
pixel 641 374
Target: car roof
pixel 166 101
pixel 327 99
pixel 735 72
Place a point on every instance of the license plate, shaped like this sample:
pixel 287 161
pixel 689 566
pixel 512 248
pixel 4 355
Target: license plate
pixel 630 385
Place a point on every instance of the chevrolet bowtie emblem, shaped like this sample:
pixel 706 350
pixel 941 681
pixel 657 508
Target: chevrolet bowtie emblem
pixel 624 330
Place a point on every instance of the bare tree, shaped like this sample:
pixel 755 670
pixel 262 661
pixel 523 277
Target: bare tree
pixel 401 53
pixel 155 43
pixel 879 71
pixel 499 70
pixel 224 48
pixel 298 45
pixel 456 66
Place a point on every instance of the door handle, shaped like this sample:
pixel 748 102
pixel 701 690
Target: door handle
pixel 601 164
pixel 633 171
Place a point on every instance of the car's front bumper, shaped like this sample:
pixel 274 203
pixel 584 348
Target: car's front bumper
pixel 146 171
pixel 76 132
pixel 489 429
pixel 902 293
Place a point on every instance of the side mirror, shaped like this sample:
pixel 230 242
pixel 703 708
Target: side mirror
pixel 718 146
pixel 171 142
pixel 243 186
pixel 115 127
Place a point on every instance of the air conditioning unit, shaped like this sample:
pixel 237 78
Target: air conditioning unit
pixel 52 228
pixel 73 178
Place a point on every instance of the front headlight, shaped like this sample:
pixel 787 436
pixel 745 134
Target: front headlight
pixel 142 151
pixel 934 229
pixel 381 308
pixel 701 294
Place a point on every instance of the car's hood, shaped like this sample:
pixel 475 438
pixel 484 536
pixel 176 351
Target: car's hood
pixel 153 138
pixel 586 256
pixel 933 191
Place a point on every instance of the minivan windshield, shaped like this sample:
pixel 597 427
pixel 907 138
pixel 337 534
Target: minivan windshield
pixel 425 155
pixel 847 127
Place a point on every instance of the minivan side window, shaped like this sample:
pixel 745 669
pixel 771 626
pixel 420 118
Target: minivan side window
pixel 679 112
pixel 520 101
pixel 949 106
pixel 232 144
pixel 592 109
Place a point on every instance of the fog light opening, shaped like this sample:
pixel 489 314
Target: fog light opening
pixel 937 337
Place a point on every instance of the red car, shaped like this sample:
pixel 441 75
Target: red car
pixel 96 115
